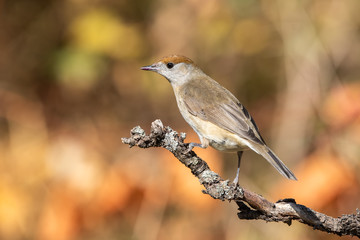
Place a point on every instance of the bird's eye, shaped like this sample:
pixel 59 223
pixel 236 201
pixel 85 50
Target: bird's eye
pixel 169 65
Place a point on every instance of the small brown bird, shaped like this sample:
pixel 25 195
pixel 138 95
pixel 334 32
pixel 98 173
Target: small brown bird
pixel 218 118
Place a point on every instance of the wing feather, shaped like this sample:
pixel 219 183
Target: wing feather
pixel 212 102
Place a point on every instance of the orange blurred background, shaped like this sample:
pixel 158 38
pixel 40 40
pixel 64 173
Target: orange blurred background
pixel 70 88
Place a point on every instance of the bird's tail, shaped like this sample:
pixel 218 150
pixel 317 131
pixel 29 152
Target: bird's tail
pixel 271 157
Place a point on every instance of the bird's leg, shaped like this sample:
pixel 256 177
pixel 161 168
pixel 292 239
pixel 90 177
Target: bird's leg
pixel 204 144
pixel 236 180
pixel 192 145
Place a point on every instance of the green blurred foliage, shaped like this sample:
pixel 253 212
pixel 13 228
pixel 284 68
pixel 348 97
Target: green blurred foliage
pixel 71 87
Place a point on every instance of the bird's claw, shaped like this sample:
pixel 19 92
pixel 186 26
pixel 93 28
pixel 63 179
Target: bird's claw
pixel 236 182
pixel 192 145
pixel 190 148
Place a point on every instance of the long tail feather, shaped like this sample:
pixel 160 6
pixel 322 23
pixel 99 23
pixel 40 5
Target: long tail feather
pixel 271 157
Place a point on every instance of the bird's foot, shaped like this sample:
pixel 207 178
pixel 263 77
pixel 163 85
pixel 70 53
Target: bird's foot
pixel 236 181
pixel 192 145
pixel 237 187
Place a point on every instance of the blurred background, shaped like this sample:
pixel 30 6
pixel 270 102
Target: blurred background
pixel 70 88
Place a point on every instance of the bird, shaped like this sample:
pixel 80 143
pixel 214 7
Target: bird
pixel 214 113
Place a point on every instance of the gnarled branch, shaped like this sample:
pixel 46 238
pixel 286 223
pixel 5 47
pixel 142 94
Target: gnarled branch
pixel 257 207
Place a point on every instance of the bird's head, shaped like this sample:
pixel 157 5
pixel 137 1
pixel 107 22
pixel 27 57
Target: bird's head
pixel 177 69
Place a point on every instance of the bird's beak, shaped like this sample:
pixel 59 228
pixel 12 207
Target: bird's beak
pixel 153 68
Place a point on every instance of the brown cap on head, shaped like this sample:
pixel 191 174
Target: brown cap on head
pixel 176 59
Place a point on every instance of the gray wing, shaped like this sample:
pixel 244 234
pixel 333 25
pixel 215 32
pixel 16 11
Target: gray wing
pixel 211 102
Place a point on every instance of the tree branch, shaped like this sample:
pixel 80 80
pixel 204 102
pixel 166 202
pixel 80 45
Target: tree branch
pixel 251 205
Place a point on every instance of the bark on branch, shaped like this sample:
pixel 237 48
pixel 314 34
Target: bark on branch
pixel 251 205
